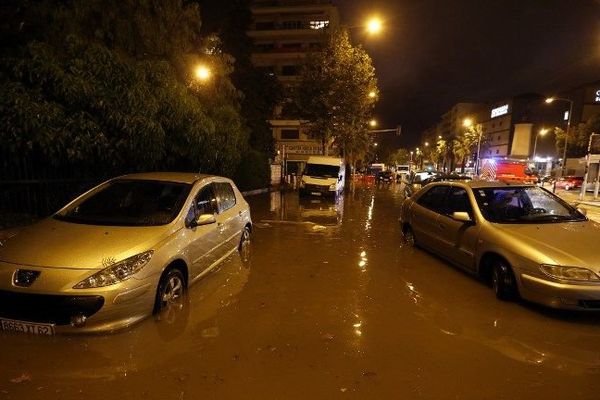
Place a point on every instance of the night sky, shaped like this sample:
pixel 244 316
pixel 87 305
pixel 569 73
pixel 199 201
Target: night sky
pixel 435 53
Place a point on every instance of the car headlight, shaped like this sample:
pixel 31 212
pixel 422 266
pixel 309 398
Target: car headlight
pixel 117 272
pixel 332 186
pixel 569 273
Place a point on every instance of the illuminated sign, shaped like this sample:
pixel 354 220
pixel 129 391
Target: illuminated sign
pixel 598 96
pixel 498 111
pixel 566 117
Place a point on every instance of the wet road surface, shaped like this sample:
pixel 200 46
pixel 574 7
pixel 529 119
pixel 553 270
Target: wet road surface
pixel 329 305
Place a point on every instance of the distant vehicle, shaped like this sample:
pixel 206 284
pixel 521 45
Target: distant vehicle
pixel 385 177
pixel 507 171
pixel 522 238
pixel 126 249
pixel 445 178
pixel 403 168
pixel 569 182
pixel 323 176
pixel 375 168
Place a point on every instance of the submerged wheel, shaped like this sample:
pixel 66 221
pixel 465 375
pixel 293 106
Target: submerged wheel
pixel 409 236
pixel 503 281
pixel 170 292
pixel 245 244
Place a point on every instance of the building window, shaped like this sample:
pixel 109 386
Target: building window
pixel 497 151
pixel 322 24
pixel 290 134
pixel 265 26
pixel 291 25
pixel 289 70
pixel 499 138
pixel 291 46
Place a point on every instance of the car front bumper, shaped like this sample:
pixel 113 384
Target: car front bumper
pixel 52 300
pixel 560 295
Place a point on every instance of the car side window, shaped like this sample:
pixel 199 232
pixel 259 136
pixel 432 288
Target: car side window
pixel 458 201
pixel 205 202
pixel 225 196
pixel 434 198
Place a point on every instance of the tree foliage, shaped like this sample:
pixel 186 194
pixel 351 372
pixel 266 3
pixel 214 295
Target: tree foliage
pixel 107 87
pixel 333 94
pixel 579 137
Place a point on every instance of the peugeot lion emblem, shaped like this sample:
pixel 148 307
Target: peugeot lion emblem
pixel 25 277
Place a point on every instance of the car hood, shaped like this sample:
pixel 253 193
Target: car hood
pixel 567 243
pixel 54 243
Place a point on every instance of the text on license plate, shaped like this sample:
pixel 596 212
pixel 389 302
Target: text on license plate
pixel 9 325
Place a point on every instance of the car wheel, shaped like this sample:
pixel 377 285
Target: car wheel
pixel 170 293
pixel 245 244
pixel 409 237
pixel 503 281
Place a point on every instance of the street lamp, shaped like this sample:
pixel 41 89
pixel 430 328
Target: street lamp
pixel 467 122
pixel 551 100
pixel 372 94
pixel 541 132
pixel 202 73
pixel 373 123
pixel 374 26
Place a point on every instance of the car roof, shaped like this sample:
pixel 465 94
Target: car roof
pixel 179 177
pixel 480 184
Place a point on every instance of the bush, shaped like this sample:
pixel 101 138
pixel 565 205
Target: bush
pixel 254 171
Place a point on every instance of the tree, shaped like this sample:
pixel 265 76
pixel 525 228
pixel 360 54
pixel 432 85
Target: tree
pixel 400 156
pixel 578 137
pixel 96 88
pixel 333 94
pixel 464 145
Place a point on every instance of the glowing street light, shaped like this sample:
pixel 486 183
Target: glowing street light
pixel 375 144
pixel 550 100
pixel 202 73
pixel 541 132
pixel 374 26
pixel 467 122
pixel 372 123
pixel 426 144
pixel 372 94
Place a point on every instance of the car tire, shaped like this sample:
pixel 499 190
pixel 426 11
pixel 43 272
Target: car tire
pixel 170 292
pixel 503 281
pixel 245 244
pixel 409 237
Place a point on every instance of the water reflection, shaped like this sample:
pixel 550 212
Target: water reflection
pixel 291 208
pixel 519 331
pixel 143 347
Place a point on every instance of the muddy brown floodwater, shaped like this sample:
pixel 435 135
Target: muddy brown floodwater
pixel 330 305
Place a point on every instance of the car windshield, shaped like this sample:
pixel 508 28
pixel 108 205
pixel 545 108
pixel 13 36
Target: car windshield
pixel 129 203
pixel 322 171
pixel 528 204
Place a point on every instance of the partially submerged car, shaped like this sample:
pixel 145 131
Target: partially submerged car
pixel 126 249
pixel 523 239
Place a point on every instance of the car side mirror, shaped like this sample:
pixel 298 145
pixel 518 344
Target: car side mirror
pixel 582 211
pixel 204 219
pixel 462 217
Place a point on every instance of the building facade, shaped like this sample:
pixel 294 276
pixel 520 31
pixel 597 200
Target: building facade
pixel 284 32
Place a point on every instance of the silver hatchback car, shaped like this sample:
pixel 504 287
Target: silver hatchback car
pixel 125 249
pixel 523 239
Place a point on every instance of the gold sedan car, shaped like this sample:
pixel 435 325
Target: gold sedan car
pixel 125 249
pixel 523 239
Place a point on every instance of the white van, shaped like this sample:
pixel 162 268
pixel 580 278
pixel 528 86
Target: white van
pixel 323 176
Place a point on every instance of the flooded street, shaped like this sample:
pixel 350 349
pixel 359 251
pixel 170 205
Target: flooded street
pixel 329 305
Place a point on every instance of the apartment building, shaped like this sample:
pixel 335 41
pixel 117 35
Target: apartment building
pixel 284 32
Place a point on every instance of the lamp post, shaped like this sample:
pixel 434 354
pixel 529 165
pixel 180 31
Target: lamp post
pixel 551 100
pixel 541 132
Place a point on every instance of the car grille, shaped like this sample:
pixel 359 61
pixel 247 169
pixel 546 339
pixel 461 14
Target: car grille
pixel 317 188
pixel 49 309
pixel 589 303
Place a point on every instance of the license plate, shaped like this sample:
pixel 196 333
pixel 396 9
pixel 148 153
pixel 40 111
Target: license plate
pixel 315 193
pixel 10 325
